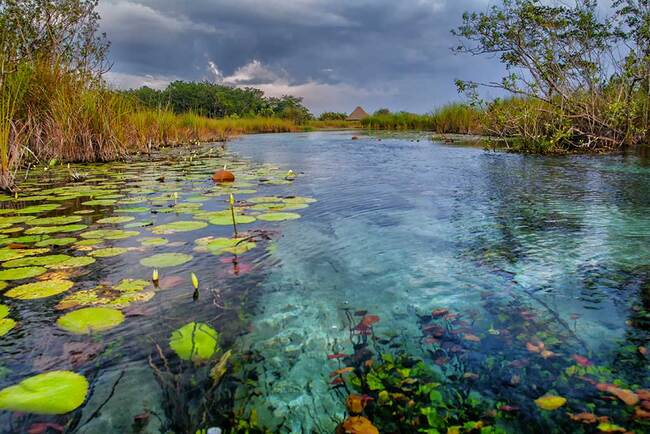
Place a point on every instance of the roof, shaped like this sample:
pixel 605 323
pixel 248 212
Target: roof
pixel 357 114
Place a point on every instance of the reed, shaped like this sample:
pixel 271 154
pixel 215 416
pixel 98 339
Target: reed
pixel 451 118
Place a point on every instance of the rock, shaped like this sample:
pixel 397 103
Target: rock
pixel 223 176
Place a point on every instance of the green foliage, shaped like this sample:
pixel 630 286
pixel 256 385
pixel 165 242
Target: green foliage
pixel 332 116
pixel 218 101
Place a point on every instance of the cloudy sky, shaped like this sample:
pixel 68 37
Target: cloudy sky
pixel 335 53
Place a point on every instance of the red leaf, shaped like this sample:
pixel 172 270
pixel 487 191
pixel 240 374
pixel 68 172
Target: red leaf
pixel 41 428
pixel 581 360
pixel 337 356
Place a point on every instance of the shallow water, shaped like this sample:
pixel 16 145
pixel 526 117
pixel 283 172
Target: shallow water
pixel 523 249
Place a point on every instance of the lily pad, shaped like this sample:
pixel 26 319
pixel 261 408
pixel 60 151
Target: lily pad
pixel 114 220
pixel 225 219
pixel 298 199
pixel 35 209
pixel 550 402
pixel 54 392
pixel 47 288
pixel 236 246
pixel 55 242
pixel 178 226
pixel 152 241
pixel 73 262
pixel 109 234
pixel 99 202
pixel 108 252
pixel 194 341
pixel 134 210
pixel 89 242
pixel 36 260
pixel 21 273
pixel 61 220
pixel 27 239
pixel 9 254
pixel 90 319
pixel 132 285
pixel 164 260
pixel 4 311
pixel 278 216
pixel 6 324
pixel 39 230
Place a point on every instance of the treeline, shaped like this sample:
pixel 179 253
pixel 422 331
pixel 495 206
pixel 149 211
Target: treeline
pixel 218 101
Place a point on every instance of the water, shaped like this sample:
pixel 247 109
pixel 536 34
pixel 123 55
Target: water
pixel 542 259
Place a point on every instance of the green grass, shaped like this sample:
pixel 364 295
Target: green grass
pixel 451 118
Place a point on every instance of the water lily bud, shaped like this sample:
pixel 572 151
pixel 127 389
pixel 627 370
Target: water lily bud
pixel 232 200
pixel 195 281
pixel 154 276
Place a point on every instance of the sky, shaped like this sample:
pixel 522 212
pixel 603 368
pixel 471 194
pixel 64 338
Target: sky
pixel 336 54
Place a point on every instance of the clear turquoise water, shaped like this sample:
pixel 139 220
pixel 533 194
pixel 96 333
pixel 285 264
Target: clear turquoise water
pixel 401 226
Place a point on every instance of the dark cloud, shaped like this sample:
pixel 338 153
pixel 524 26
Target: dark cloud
pixel 335 53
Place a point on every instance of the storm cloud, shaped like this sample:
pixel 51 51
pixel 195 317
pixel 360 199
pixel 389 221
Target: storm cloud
pixel 335 53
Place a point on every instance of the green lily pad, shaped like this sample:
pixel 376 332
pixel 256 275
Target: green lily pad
pixel 114 220
pixel 278 216
pixel 36 260
pixel 235 246
pixel 152 241
pixel 54 392
pixel 164 260
pixel 139 224
pixel 42 289
pixel 27 239
pixel 90 319
pixel 99 202
pixel 16 219
pixel 109 234
pixel 11 230
pixel 21 273
pixel 178 226
pixel 298 199
pixel 84 211
pixel 135 209
pixel 225 219
pixel 89 242
pixel 132 285
pixel 36 209
pixel 108 252
pixel 4 311
pixel 61 220
pixel 6 324
pixel 9 254
pixel 194 341
pixel 263 199
pixel 55 242
pixel 73 262
pixel 39 230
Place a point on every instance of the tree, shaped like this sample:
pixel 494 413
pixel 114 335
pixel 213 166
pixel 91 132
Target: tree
pixel 333 116
pixel 561 56
pixel 382 112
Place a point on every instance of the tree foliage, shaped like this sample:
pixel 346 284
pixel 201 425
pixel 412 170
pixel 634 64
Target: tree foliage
pixel 568 60
pixel 216 101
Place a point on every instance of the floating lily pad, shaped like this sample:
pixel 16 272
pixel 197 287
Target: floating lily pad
pixel 108 252
pixel 164 260
pixel 27 239
pixel 135 209
pixel 89 242
pixel 61 220
pixel 55 242
pixel 225 219
pixel 84 211
pixel 236 246
pixel 21 273
pixel 4 311
pixel 73 262
pixel 109 234
pixel 152 241
pixel 90 319
pixel 36 260
pixel 36 209
pixel 194 341
pixel 38 230
pixel 298 199
pixel 11 230
pixel 278 216
pixel 6 324
pixel 132 285
pixel 9 254
pixel 16 219
pixel 263 199
pixel 114 220
pixel 55 392
pixel 178 226
pixel 139 224
pixel 31 291
pixel 99 202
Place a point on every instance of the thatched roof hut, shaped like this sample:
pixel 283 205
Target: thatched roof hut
pixel 357 114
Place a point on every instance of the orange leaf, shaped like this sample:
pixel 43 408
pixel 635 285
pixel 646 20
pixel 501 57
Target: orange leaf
pixel 356 403
pixel 341 371
pixel 584 417
pixel 625 395
pixel 369 320
pixel 357 425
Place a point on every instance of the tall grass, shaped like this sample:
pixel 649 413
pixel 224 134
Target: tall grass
pixel 13 85
pixel 451 118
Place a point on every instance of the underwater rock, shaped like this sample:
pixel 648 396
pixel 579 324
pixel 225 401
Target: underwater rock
pixel 223 176
pixel 137 383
